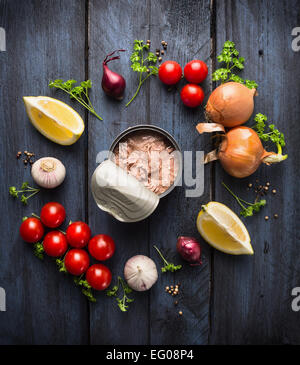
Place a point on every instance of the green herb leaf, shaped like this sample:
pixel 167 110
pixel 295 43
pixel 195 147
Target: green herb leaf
pixel 142 61
pixel 25 185
pixel 79 93
pixel 39 250
pixel 61 265
pixel 25 189
pixel 89 294
pixel 248 209
pixel 229 56
pixel 168 265
pixel 272 134
pixel 122 302
pixel 13 191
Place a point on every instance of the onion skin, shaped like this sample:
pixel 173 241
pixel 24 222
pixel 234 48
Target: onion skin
pixel 113 84
pixel 189 249
pixel 241 152
pixel 230 104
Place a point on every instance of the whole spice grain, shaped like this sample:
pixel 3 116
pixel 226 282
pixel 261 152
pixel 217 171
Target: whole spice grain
pixel 28 158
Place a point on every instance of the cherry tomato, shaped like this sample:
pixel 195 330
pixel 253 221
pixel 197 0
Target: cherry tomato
pixel 195 71
pixel 31 230
pixel 170 72
pixel 98 276
pixel 55 243
pixel 77 261
pixel 53 214
pixel 78 234
pixel 192 95
pixel 102 247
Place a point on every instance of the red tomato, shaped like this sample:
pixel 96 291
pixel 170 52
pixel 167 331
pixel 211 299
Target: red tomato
pixel 55 243
pixel 170 72
pixel 31 230
pixel 78 234
pixel 195 71
pixel 77 261
pixel 98 276
pixel 53 214
pixel 192 95
pixel 102 247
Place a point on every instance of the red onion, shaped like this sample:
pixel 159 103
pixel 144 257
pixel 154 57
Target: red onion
pixel 113 84
pixel 189 249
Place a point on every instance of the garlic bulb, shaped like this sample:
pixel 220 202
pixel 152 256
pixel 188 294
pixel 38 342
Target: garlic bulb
pixel 48 172
pixel 140 272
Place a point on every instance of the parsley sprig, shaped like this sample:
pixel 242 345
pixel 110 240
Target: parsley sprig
pixel 272 134
pixel 39 250
pixel 168 265
pixel 142 61
pixel 86 289
pixel 248 209
pixel 25 188
pixel 79 92
pixel 125 300
pixel 230 57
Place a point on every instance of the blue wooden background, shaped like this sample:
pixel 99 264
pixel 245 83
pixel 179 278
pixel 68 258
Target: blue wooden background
pixel 228 300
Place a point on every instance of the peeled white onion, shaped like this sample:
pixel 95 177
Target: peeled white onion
pixel 140 272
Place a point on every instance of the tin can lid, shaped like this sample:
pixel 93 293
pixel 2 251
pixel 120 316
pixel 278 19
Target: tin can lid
pixel 121 194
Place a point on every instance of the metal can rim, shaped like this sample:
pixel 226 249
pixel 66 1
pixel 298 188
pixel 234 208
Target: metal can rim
pixel 158 130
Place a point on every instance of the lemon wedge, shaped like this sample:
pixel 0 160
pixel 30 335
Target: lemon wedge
pixel 54 119
pixel 223 229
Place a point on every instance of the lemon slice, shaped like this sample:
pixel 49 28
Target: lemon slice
pixel 223 229
pixel 54 119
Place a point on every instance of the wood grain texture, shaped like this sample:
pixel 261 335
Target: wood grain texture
pixel 252 295
pixel 114 25
pixel 153 316
pixel 188 38
pixel 227 300
pixel 43 42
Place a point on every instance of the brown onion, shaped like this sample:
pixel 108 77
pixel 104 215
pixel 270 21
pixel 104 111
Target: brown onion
pixel 231 104
pixel 241 151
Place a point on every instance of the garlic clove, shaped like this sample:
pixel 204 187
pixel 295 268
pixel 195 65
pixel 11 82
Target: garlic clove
pixel 48 172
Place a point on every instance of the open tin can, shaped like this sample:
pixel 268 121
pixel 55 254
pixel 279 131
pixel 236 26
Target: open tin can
pixel 124 196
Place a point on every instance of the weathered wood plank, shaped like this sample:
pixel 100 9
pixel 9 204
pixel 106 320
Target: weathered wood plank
pixel 252 295
pixel 148 322
pixel 45 40
pixel 185 25
pixel 115 25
